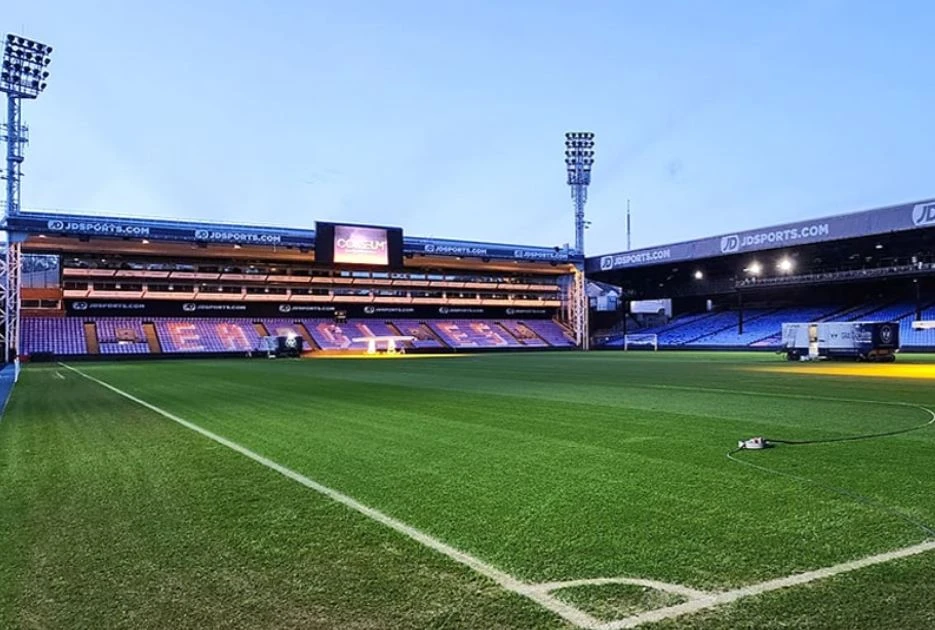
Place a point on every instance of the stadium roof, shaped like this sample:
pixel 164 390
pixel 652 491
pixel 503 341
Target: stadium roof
pixel 62 224
pixel 880 221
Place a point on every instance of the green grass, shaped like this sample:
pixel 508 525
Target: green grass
pixel 607 602
pixel 548 466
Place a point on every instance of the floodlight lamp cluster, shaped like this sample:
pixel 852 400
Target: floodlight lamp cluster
pixel 579 156
pixel 24 72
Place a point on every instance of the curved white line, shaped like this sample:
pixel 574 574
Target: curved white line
pixel 676 589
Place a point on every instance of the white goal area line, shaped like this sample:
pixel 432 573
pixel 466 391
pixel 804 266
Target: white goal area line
pixel 539 593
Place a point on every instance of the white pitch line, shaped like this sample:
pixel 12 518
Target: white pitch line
pixel 508 582
pixel 540 593
pixel 717 599
pixel 677 589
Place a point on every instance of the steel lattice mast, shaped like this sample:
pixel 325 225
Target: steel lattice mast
pixel 579 158
pixel 23 76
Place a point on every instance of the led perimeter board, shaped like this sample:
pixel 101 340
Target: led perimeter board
pixel 363 245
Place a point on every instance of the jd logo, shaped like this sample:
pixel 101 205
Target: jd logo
pixel 201 235
pixel 189 307
pixel 923 213
pixel 607 263
pixel 285 308
pixel 730 244
pixel 370 310
pixel 443 310
pixel 80 306
pixel 56 226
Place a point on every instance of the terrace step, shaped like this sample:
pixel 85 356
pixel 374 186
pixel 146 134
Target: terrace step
pixel 90 337
pixel 152 338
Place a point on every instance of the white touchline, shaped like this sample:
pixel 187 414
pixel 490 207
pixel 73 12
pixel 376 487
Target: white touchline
pixel 725 597
pixel 510 583
pixel 540 593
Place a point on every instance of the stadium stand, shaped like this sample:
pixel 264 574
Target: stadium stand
pixel 121 336
pixel 917 338
pixel 552 333
pixel 524 334
pixel 763 329
pixel 696 327
pixel 424 337
pixel 474 334
pixel 54 335
pixel 331 336
pixel 283 328
pixel 206 335
pixel 873 265
pixel 756 328
pixel 66 336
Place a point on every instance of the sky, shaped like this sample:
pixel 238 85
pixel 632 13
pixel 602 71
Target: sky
pixel 447 117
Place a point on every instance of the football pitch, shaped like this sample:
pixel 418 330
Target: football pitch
pixel 548 490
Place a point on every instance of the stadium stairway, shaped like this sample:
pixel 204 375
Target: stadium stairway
pixel 309 341
pixel 152 339
pixel 425 336
pixel 553 333
pixel 524 334
pixel 473 334
pixel 90 338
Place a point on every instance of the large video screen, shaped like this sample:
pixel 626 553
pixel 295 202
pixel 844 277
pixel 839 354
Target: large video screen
pixel 361 245
pixel 364 245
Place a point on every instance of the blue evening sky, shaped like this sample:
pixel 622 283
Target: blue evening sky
pixel 447 117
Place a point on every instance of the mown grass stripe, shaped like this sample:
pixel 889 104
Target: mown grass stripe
pixel 505 580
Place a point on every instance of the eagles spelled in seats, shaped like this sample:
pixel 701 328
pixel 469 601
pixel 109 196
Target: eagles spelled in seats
pixel 126 335
pixel 210 336
pixel 332 336
pixel 472 334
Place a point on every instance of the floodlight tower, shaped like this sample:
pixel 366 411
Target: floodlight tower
pixel 23 76
pixel 579 157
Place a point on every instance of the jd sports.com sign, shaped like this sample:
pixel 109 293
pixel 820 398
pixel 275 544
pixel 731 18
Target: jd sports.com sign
pixel 923 214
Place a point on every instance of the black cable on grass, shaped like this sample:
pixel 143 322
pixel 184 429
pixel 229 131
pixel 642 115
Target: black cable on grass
pixel 854 438
pixel 844 492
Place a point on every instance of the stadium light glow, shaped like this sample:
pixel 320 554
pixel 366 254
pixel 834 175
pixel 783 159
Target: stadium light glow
pixel 579 158
pixel 699 275
pixel 785 265
pixel 754 269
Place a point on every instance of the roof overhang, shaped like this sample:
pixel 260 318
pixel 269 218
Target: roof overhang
pixel 103 229
pixel 879 222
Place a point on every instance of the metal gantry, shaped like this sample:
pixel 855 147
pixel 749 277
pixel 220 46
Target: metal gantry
pixel 11 266
pixel 23 76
